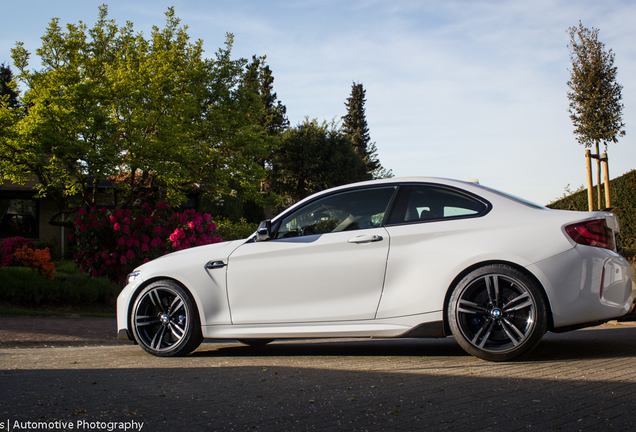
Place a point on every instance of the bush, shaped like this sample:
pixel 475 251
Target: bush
pixel 22 286
pixel 36 258
pixel 113 243
pixel 11 245
pixel 232 230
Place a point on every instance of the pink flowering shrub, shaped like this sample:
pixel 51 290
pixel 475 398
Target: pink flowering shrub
pixel 11 245
pixel 113 243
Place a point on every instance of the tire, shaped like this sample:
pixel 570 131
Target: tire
pixel 255 342
pixel 497 313
pixel 165 320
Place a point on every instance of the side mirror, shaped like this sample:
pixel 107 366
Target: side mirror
pixel 264 230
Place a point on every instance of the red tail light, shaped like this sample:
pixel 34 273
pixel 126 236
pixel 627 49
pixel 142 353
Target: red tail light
pixel 592 233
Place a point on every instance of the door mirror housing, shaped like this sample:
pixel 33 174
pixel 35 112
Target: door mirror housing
pixel 264 230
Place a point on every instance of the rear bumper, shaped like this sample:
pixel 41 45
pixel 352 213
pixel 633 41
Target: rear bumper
pixel 586 284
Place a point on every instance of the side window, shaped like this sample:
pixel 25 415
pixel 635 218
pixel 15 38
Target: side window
pixel 345 211
pixel 420 203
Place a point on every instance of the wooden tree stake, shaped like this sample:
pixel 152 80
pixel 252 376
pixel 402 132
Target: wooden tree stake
pixel 606 179
pixel 590 186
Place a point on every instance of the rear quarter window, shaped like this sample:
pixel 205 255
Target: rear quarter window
pixel 422 203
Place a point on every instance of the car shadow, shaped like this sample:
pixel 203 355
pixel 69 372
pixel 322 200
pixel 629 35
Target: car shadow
pixel 335 347
pixel 595 343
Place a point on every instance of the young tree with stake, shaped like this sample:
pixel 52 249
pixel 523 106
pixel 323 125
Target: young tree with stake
pixel 595 96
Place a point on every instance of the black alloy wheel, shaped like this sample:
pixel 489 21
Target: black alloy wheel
pixel 165 320
pixel 497 313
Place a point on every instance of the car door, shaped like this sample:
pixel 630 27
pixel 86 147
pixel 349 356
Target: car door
pixel 433 230
pixel 325 262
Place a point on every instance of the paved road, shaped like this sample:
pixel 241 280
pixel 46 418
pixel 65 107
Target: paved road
pixel 74 370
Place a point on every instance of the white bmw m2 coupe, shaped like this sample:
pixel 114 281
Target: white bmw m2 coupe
pixel 393 258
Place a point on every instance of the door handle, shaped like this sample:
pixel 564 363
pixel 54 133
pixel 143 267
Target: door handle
pixel 214 265
pixel 366 239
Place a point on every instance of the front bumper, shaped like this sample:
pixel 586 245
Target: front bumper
pixel 124 334
pixel 123 304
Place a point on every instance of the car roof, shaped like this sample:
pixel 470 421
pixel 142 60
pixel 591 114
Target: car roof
pixel 466 185
pixel 413 179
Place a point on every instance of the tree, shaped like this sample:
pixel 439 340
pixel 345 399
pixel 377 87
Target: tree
pixel 152 114
pixel 380 172
pixel 595 96
pixel 7 87
pixel 272 119
pixel 8 106
pixel 313 157
pixel 274 114
pixel 356 129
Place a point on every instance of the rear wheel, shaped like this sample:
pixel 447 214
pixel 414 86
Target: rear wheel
pixel 497 313
pixel 165 320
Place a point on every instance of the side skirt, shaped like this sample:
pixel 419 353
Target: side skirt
pixel 433 329
pixel 420 325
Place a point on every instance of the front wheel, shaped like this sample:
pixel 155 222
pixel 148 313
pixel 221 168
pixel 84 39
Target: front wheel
pixel 497 313
pixel 165 320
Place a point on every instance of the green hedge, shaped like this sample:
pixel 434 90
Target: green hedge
pixel 622 195
pixel 27 287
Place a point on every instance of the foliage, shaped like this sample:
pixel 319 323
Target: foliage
pixel 314 157
pixel 630 256
pixel 273 115
pixel 21 286
pixel 623 190
pixel 113 243
pixel 11 245
pixel 8 92
pixel 380 172
pixel 355 122
pixel 36 258
pixel 356 129
pixel 150 114
pixel 233 208
pixel 8 111
pixel 595 107
pixel 235 230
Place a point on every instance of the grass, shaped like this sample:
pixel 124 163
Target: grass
pixel 24 291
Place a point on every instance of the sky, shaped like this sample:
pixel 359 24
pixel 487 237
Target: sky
pixel 454 89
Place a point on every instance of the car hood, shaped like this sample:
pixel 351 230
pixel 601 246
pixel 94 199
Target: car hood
pixel 216 251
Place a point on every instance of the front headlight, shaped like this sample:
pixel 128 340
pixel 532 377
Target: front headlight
pixel 133 276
